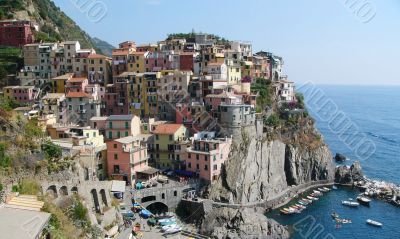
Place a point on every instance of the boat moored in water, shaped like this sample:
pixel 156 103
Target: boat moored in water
pixel 350 203
pixel 374 223
pixel 363 200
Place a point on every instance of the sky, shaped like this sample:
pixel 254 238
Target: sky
pixel 354 42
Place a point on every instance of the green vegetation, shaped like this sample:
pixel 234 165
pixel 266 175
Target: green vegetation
pixel 51 151
pixel 273 120
pixel 5 160
pixel 220 40
pixel 28 187
pixel 1 187
pixel 10 61
pixel 264 89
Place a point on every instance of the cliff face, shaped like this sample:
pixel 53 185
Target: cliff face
pixel 241 223
pixel 261 169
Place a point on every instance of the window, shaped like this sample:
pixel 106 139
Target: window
pixel 115 146
pixel 214 157
pixel 110 135
pixel 189 165
pixel 206 167
pixel 163 196
pixel 94 134
pixel 170 137
pixel 110 125
pixel 215 167
pixel 175 193
pixel 206 158
pixel 189 156
pixel 197 156
pixel 119 134
pixel 100 166
pixel 157 138
pixel 126 125
pixel 197 166
pixel 115 156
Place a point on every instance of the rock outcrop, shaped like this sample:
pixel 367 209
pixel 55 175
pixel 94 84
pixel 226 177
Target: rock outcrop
pixel 224 223
pixel 340 157
pixel 348 175
pixel 260 169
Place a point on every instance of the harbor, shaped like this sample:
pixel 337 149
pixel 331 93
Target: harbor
pixel 350 221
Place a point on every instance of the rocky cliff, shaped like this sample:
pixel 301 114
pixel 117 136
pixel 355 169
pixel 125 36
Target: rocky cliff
pixel 349 175
pixel 264 164
pixel 241 223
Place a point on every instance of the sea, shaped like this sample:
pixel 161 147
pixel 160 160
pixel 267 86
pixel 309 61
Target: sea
pixel 372 114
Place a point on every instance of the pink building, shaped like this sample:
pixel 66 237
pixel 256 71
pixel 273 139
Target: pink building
pixel 157 61
pixel 207 154
pixel 125 157
pixel 21 94
pixel 212 101
pixel 76 84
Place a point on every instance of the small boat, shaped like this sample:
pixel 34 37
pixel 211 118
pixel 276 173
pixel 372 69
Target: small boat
pixel 346 221
pixel 317 192
pixel 303 203
pixel 326 189
pixel 334 187
pixel 335 215
pixel 350 203
pixel 374 223
pixel 312 198
pixel 363 200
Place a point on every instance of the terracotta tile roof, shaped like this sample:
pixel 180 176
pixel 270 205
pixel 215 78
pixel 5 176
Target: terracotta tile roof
pixel 167 128
pixel 77 79
pixel 97 56
pixel 78 95
pixel 215 63
pixel 137 53
pixel 120 52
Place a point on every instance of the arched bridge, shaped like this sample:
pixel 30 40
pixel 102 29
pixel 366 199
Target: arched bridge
pixel 162 198
pixel 96 193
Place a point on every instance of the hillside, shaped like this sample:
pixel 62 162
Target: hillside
pixel 55 25
pixel 104 46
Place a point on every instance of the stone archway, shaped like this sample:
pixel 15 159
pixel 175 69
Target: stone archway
pixel 63 191
pixel 103 197
pixel 148 199
pixel 157 208
pixel 95 199
pixel 52 190
pixel 74 189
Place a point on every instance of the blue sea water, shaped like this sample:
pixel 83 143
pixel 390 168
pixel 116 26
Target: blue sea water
pixel 375 111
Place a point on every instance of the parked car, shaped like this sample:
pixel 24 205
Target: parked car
pixel 126 212
pixel 119 195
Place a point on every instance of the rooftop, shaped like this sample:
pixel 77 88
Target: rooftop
pixel 77 79
pixel 120 117
pixel 167 128
pixel 97 56
pixel 53 96
pixel 20 223
pixel 64 77
pixel 129 139
pixel 78 95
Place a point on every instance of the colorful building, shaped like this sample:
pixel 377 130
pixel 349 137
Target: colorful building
pixel 60 82
pixel 167 141
pixel 99 69
pixel 17 33
pixel 125 157
pixel 21 94
pixel 118 126
pixel 207 154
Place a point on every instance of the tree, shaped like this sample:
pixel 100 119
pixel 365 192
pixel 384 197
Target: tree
pixel 5 160
pixel 51 150
pixel 273 120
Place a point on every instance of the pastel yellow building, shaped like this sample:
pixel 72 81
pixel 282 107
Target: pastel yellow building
pixel 136 62
pixel 59 82
pixel 168 139
pixel 142 93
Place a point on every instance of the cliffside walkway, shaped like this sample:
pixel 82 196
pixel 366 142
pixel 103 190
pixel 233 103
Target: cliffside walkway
pixel 278 200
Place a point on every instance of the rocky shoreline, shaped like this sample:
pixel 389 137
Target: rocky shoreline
pixel 353 176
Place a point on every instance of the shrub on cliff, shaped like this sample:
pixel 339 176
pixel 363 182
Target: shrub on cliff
pixel 273 120
pixel 51 150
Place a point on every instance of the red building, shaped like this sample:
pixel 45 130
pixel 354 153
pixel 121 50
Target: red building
pixel 186 61
pixel 16 33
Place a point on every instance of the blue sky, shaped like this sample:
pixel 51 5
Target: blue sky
pixel 326 42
